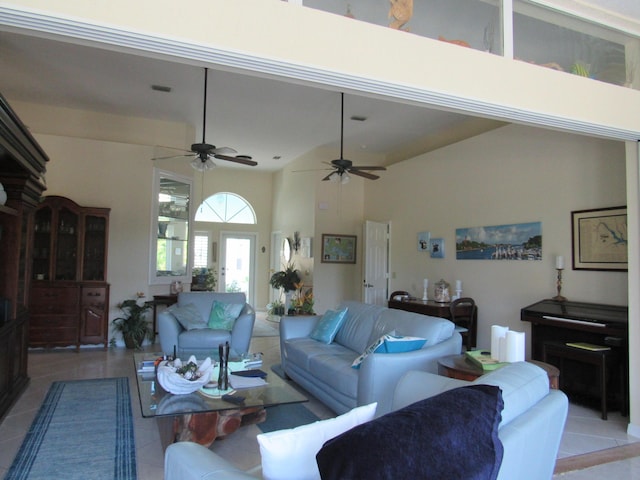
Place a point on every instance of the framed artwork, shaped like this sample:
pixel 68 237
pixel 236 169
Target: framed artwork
pixel 338 248
pixel 518 241
pixel 599 239
pixel 437 248
pixel 423 241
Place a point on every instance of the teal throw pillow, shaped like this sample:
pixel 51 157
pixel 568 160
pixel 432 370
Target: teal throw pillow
pixel 224 315
pixel 326 329
pixel 188 316
pixel 390 343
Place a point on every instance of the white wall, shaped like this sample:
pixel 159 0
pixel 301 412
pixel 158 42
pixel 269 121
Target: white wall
pixel 511 175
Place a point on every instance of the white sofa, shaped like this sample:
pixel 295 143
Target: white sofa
pixel 530 429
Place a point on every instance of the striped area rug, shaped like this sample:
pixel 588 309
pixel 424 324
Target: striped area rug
pixel 83 430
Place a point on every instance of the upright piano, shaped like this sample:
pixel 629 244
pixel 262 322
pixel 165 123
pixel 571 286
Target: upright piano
pixel 599 324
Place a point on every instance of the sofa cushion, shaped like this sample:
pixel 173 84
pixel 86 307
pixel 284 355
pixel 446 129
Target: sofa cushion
pixel 355 333
pixel 327 327
pixel 523 385
pixel 290 454
pixel 390 343
pixel 204 300
pixel 434 329
pixel 451 435
pixel 334 370
pixel 195 340
pixel 188 316
pixel 224 315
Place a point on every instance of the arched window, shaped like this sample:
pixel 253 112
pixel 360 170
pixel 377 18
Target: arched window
pixel 225 207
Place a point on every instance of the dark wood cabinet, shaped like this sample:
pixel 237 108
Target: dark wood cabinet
pixel 22 162
pixel 69 293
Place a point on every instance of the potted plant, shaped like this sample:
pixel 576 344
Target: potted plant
pixel 286 279
pixel 133 324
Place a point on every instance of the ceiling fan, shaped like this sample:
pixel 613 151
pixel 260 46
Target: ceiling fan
pixel 343 167
pixel 203 153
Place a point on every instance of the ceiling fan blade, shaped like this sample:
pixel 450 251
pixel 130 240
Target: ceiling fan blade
pixel 172 156
pixel 351 169
pixel 223 151
pixel 328 177
pixel 369 176
pixel 243 159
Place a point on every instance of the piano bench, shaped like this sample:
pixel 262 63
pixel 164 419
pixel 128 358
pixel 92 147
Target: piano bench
pixel 601 359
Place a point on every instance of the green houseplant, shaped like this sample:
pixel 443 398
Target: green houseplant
pixel 133 324
pixel 286 279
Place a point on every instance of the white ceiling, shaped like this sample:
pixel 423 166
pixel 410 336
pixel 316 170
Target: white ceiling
pixel 256 116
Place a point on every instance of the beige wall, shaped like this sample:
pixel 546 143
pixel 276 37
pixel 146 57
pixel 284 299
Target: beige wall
pixel 511 175
pixel 119 176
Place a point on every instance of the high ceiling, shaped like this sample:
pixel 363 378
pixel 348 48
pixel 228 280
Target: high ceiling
pixel 260 117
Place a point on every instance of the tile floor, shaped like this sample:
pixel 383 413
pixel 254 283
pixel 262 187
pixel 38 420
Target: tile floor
pixel 584 432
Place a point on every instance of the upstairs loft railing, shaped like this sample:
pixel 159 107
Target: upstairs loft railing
pixel 519 29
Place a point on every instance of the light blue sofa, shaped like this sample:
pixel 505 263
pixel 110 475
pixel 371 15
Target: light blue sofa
pixel 203 342
pixel 325 370
pixel 531 428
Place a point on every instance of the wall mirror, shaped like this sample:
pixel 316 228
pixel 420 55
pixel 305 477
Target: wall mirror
pixel 170 228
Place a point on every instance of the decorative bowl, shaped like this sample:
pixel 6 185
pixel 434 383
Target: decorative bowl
pixel 176 378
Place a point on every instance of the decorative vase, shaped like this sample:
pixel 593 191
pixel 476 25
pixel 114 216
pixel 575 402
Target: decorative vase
pixel 287 301
pixel 223 375
pixel 3 195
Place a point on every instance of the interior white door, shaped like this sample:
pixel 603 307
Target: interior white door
pixel 376 263
pixel 237 264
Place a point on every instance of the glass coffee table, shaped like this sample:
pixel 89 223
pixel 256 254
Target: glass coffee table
pixel 200 417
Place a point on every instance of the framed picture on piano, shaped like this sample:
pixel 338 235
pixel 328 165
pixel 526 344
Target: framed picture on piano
pixel 599 239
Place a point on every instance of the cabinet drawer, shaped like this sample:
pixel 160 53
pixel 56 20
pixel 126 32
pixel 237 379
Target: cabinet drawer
pixel 53 321
pixel 59 336
pixel 54 300
pixel 95 296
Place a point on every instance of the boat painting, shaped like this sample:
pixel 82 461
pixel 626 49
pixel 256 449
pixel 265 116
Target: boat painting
pixel 520 241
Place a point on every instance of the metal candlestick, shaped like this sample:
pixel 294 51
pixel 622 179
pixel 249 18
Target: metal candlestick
pixel 558 297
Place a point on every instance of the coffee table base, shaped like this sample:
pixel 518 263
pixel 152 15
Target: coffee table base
pixel 205 428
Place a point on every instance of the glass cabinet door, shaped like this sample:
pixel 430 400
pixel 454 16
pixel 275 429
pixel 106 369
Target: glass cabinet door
pixel 95 248
pixel 41 256
pixel 170 232
pixel 66 245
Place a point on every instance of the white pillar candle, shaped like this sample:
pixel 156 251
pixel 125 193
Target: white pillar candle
pixel 458 284
pixel 502 349
pixel 497 332
pixel 515 346
pixel 559 262
pixel 425 283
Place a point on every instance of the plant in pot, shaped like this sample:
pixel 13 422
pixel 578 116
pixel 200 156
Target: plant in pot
pixel 287 280
pixel 133 324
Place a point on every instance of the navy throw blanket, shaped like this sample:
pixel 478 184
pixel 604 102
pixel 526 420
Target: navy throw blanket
pixel 451 435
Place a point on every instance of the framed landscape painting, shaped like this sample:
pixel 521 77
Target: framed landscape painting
pixel 338 248
pixel 599 239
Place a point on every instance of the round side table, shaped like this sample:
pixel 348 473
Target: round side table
pixel 458 366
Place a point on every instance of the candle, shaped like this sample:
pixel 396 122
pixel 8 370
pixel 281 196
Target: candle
pixel 515 346
pixel 559 262
pixel 458 284
pixel 425 283
pixel 497 332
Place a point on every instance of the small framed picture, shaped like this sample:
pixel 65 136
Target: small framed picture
pixel 437 248
pixel 423 241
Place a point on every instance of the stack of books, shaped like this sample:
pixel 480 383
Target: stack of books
pixel 484 361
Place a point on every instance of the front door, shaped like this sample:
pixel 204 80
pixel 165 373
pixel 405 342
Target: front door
pixel 237 264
